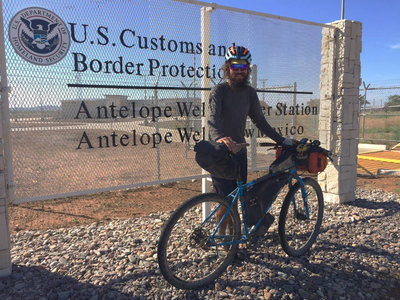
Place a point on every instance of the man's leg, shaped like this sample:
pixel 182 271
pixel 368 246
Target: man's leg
pixel 224 187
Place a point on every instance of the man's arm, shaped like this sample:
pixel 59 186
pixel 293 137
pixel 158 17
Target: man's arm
pixel 259 120
pixel 215 110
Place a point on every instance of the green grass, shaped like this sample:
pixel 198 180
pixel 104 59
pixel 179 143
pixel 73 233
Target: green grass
pixel 378 130
pixel 392 132
pixel 397 190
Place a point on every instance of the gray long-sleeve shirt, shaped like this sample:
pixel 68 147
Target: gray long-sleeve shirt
pixel 228 110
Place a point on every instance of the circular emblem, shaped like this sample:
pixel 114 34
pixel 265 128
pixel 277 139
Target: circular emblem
pixel 39 36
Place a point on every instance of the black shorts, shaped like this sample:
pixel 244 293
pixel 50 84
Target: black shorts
pixel 224 187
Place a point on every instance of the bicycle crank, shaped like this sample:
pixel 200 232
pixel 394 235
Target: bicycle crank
pixel 300 215
pixel 199 238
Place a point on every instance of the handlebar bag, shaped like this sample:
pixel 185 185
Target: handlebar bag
pixel 216 159
pixel 309 160
pixel 312 160
pixel 317 162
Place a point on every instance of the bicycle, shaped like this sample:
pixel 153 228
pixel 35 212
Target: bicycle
pixel 193 250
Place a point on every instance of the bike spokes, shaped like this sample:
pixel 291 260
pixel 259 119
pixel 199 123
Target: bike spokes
pixel 191 254
pixel 301 217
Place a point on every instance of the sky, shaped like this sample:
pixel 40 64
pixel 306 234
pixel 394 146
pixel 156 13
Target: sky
pixel 380 57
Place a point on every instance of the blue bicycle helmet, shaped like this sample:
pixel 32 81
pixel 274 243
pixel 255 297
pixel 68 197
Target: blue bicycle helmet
pixel 238 52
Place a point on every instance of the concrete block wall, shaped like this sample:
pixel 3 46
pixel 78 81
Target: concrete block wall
pixel 339 113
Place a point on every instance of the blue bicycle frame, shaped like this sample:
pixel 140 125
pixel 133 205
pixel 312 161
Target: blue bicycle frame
pixel 239 192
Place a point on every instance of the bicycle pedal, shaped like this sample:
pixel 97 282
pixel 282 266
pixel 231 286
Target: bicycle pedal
pixel 240 255
pixel 253 239
pixel 300 216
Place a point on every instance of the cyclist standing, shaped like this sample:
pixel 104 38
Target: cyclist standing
pixel 229 105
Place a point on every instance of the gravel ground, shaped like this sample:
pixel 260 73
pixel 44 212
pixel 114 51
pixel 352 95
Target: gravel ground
pixel 356 257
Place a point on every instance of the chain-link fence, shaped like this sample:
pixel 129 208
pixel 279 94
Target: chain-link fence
pixel 108 94
pixel 380 113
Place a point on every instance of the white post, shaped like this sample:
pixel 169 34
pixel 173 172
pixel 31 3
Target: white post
pixel 205 83
pixel 6 177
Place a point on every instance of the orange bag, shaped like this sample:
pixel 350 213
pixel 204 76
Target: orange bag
pixel 317 162
pixel 313 162
pixel 306 160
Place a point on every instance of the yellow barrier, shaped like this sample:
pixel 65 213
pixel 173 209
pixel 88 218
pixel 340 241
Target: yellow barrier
pixel 395 161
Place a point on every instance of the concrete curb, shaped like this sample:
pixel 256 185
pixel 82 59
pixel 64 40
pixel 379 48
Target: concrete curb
pixel 389 172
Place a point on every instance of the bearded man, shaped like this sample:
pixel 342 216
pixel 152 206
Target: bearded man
pixel 229 105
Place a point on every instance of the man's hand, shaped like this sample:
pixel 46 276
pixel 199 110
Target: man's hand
pixel 229 143
pixel 289 142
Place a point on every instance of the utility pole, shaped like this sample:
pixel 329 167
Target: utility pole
pixel 294 117
pixel 157 126
pixel 263 80
pixel 342 16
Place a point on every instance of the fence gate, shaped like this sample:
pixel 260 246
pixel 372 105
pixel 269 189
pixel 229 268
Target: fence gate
pixel 108 94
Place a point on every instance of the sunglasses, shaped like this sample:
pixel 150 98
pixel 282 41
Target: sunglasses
pixel 237 67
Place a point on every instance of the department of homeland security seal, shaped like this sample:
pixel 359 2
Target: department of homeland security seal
pixel 39 36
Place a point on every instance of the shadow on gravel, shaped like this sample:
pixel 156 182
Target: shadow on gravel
pixel 343 277
pixel 62 213
pixel 390 207
pixel 36 282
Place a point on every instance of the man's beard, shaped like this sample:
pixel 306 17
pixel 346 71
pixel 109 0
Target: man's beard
pixel 238 80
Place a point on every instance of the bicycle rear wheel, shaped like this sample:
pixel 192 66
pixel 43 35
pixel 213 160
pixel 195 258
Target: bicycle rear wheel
pixel 297 231
pixel 189 255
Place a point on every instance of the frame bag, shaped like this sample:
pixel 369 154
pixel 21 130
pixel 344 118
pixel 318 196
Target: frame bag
pixel 258 197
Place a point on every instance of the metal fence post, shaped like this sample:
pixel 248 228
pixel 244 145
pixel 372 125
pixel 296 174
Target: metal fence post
pixel 294 117
pixel 6 178
pixel 158 168
pixel 364 104
pixel 253 128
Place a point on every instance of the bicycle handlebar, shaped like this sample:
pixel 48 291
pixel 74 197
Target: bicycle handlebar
pixel 315 144
pixel 267 144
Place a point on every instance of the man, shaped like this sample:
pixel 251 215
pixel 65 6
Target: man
pixel 229 105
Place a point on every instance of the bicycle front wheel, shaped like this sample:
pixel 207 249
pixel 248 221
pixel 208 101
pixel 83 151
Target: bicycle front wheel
pixel 190 252
pixel 300 219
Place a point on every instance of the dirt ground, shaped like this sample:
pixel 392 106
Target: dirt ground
pixel 102 207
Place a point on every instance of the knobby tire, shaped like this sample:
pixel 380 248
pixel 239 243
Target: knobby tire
pixel 186 257
pixel 298 233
